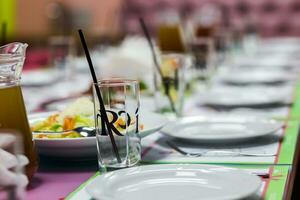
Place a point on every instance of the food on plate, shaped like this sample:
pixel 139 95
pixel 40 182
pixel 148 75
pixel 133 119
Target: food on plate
pixel 78 114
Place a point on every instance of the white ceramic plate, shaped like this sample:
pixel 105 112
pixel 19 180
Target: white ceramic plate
pixel 86 147
pixel 244 98
pixel 214 129
pixel 257 77
pixel 174 182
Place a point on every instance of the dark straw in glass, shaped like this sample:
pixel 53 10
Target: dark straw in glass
pixel 164 80
pixel 102 107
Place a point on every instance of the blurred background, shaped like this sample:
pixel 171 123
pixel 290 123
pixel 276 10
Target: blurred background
pixel 40 18
pixel 47 24
pixel 37 19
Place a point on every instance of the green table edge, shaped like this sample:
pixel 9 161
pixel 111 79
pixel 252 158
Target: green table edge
pixel 70 195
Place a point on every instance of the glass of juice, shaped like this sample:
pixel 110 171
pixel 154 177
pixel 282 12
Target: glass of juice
pixel 204 57
pixel 13 113
pixel 170 38
pixel 205 31
pixel 170 33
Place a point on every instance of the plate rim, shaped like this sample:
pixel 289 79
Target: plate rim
pixel 175 167
pixel 275 78
pixel 170 125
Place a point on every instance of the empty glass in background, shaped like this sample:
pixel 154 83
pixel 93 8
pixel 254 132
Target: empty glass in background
pixel 62 50
pixel 204 57
pixel 209 42
pixel 222 47
pixel 169 92
pixel 121 101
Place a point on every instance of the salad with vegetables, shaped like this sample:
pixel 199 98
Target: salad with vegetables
pixel 60 125
pixel 77 114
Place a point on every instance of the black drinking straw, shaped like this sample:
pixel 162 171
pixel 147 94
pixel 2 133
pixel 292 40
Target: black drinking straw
pixel 102 108
pixel 3 33
pixel 163 79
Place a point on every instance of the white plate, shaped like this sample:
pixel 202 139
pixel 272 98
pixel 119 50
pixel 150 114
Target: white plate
pixel 244 97
pixel 86 147
pixel 257 77
pixel 174 182
pixel 214 129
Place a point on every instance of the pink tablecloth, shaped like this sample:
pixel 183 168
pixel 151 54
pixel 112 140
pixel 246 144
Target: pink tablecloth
pixel 55 185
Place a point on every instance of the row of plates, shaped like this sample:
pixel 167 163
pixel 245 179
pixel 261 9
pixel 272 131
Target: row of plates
pixel 210 129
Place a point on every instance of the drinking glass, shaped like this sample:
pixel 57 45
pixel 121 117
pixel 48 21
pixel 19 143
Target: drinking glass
pixel 204 57
pixel 170 32
pixel 62 53
pixel 170 85
pixel 170 38
pixel 121 102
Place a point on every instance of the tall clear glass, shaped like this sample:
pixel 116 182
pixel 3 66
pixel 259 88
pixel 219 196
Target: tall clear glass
pixel 170 89
pixel 170 32
pixel 13 112
pixel 121 101
pixel 62 55
pixel 204 57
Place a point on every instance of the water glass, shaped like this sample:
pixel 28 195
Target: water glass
pixel 170 85
pixel 121 102
pixel 62 54
pixel 203 52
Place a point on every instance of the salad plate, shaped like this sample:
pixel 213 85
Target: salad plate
pixel 86 146
pixel 214 129
pixel 176 182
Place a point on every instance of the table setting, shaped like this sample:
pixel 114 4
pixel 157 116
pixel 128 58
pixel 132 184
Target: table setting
pixel 223 140
pixel 229 134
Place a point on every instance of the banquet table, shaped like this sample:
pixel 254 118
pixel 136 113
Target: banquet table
pixel 62 179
